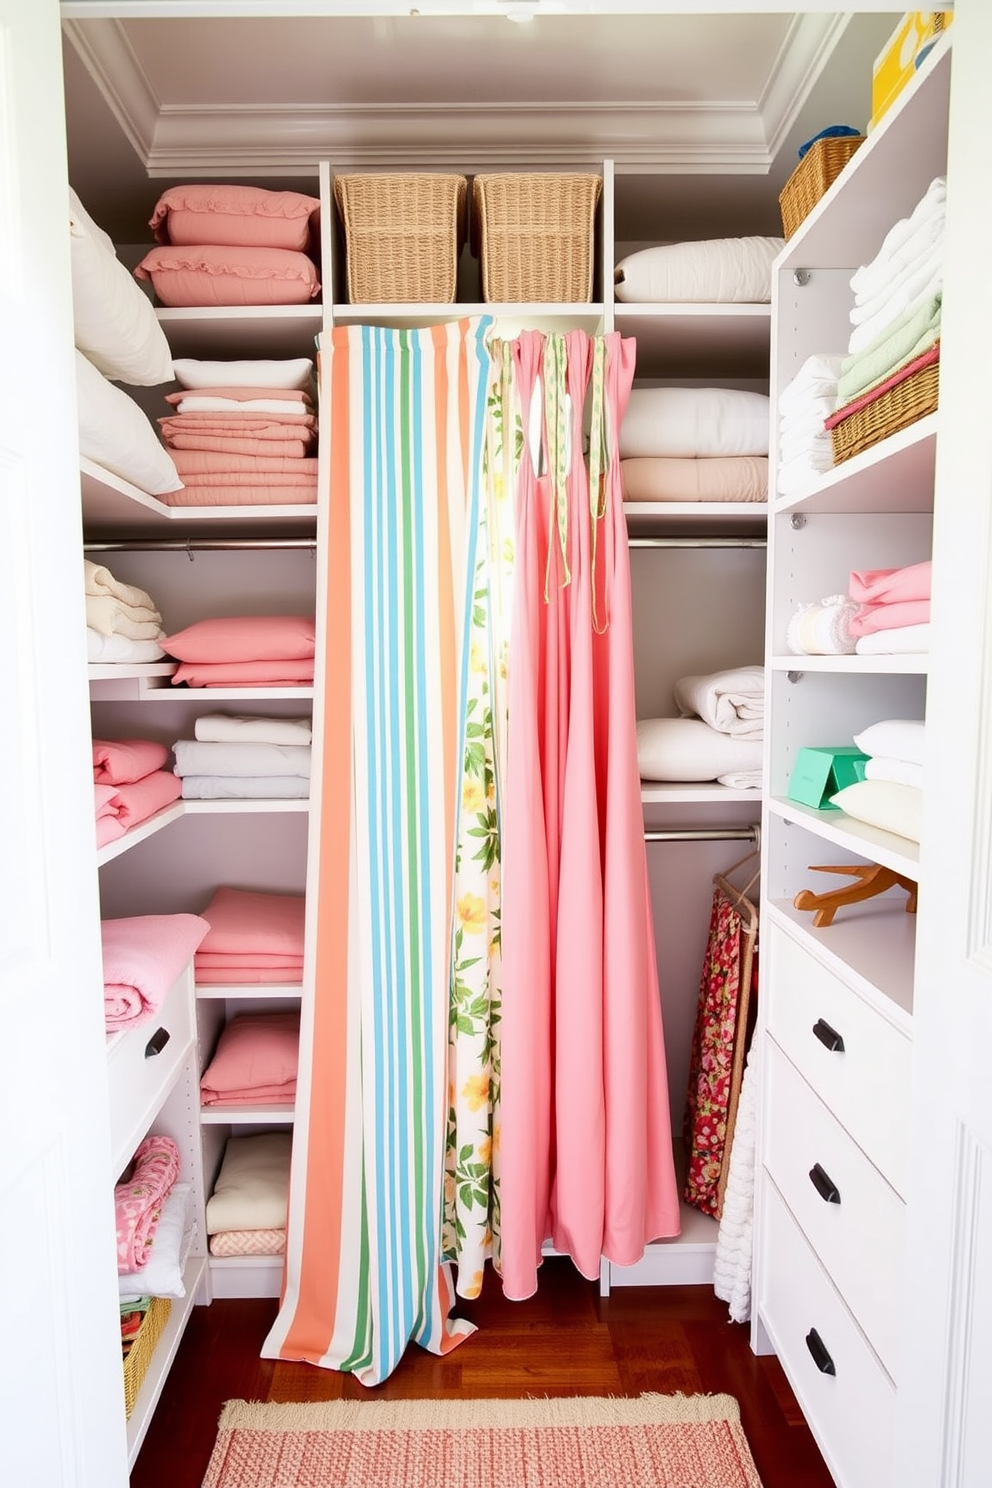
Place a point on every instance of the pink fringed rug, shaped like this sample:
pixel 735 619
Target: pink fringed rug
pixel 654 1441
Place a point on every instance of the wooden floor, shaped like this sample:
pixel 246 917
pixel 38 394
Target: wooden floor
pixel 566 1340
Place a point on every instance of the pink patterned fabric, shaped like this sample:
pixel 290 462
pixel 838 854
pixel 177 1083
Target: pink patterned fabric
pixel 138 1201
pixel 248 1243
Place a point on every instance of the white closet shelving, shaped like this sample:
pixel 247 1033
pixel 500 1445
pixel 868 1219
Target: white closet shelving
pixel 836 1016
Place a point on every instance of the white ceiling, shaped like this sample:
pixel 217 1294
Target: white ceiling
pixel 717 103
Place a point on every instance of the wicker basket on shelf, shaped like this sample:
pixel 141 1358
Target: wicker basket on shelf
pixel 535 233
pixel 818 169
pixel 140 1353
pixel 895 409
pixel 403 236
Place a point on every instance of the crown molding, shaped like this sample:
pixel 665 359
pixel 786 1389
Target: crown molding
pixel 721 136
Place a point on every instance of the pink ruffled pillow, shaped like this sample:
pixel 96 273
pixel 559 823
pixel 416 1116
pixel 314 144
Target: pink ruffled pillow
pixel 244 638
pixel 209 274
pixel 238 216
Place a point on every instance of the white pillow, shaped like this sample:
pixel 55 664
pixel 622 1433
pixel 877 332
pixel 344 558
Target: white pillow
pixel 716 271
pixel 687 422
pixel 295 372
pixel 115 433
pixel 688 749
pixel 114 321
pixel 899 738
pixel 252 1188
pixel 884 803
pixel 163 1274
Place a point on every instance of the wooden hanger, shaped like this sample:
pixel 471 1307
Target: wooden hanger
pixel 870 879
pixel 739 897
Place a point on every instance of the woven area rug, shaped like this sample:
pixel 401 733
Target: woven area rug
pixel 654 1441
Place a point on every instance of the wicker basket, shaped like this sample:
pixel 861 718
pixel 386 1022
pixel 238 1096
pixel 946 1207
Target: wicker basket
pixel 818 169
pixel 403 235
pixel 535 236
pixel 140 1353
pixel 896 408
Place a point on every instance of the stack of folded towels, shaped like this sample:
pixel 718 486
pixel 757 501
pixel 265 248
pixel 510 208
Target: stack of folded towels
pixel 694 444
pixel 234 757
pixel 122 621
pixel 143 955
pixel 885 611
pixel 129 784
pixel 244 443
pixel 805 451
pixel 897 302
pixel 891 794
pixel 245 651
pixel 255 937
pixel 255 1061
pixel 718 737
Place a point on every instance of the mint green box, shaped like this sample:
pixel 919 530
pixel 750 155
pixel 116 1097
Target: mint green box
pixel 819 773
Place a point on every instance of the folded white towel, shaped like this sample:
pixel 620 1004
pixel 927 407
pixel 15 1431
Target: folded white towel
pixel 871 279
pixel 823 628
pixel 245 787
pixel 118 648
pixel 909 280
pixel 902 304
pixel 813 412
pixel 194 757
pixel 929 209
pixel 741 779
pixel 735 1236
pixel 813 441
pixel 899 641
pixel 732 701
pixel 803 471
pixel 817 377
pixel 225 727
pixel 207 403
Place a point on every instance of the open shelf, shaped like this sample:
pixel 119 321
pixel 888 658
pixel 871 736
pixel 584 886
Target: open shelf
pixel 697 340
pixel 898 853
pixel 872 945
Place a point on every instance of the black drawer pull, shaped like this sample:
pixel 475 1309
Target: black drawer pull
pixel 824 1185
pixel 818 1349
pixel 157 1042
pixel 828 1036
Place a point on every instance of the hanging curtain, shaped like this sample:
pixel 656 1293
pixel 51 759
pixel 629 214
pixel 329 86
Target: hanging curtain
pixel 585 1146
pixel 364 1271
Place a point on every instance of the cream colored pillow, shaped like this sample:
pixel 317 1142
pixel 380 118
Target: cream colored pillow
pixel 252 1188
pixel 884 803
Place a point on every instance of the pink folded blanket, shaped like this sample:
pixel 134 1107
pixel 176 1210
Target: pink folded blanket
pixel 272 673
pixel 889 585
pixel 256 1058
pixel 251 1095
pixel 134 803
pixel 251 922
pixel 241 425
pixel 250 495
pixel 249 976
pixel 889 616
pixel 142 957
pixel 250 445
pixel 138 1202
pixel 262 959
pixel 122 761
pixel 220 462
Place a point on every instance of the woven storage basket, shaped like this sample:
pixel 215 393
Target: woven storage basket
pixel 535 236
pixel 818 169
pixel 403 235
pixel 140 1354
pixel 894 409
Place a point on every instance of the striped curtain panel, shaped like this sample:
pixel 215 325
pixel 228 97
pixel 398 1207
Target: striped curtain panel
pixel 365 1273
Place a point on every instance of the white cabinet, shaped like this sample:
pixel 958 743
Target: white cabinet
pixel 834 1186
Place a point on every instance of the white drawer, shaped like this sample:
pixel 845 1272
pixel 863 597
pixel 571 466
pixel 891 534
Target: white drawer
pixel 865 1079
pixel 851 1411
pixel 142 1066
pixel 851 1217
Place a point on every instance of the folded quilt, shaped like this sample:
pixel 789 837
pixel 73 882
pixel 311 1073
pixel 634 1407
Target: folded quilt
pixel 115 649
pixel 138 1202
pixel 244 921
pixel 237 758
pixel 823 627
pixel 244 495
pixel 290 673
pixel 245 787
pixel 870 618
pixel 216 463
pixel 121 761
pixel 901 641
pixel 885 585
pixel 101 584
pixel 142 957
pixel 235 726
pixel 915 332
pixel 732 701
pixel 109 617
pixel 709 478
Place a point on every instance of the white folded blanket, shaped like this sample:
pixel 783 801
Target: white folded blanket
pixel 901 640
pixel 100 583
pixel 109 616
pixel 118 648
pixel 732 701
pixel 196 757
pixel 823 628
pixel 208 403
pixel 244 787
pixel 224 727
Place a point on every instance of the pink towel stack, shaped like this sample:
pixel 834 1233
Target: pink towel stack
pixel 254 937
pixel 894 608
pixel 242 446
pixel 129 784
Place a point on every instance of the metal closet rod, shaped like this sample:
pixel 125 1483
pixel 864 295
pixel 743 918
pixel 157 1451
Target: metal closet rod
pixel 191 545
pixel 697 542
pixel 703 834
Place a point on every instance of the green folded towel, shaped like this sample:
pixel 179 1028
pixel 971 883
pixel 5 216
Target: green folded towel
pixel 914 332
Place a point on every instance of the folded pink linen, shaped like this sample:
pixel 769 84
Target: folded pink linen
pixel 889 616
pixel 142 957
pixel 240 425
pixel 108 828
pixel 251 495
pixel 122 761
pixel 212 463
pixel 274 673
pixel 253 1095
pixel 257 1058
pixel 250 446
pixel 253 921
pixel 247 976
pixel 103 797
pixel 243 395
pixel 253 958
pixel 138 1202
pixel 140 799
pixel 888 585
pixel 276 479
